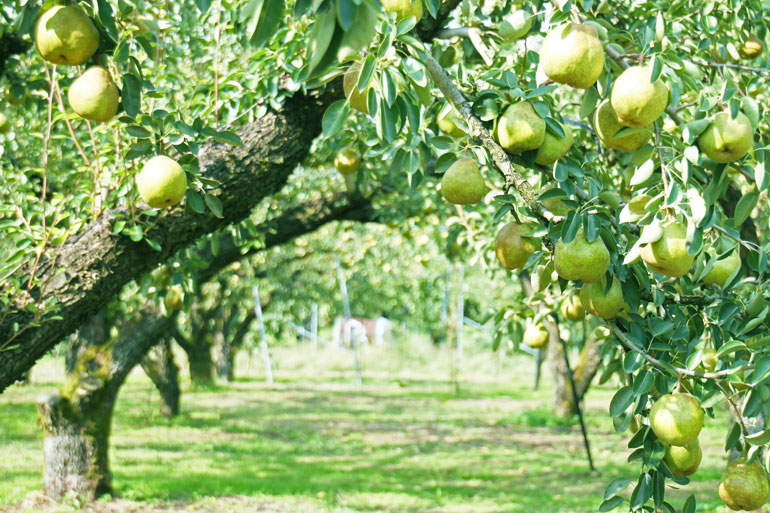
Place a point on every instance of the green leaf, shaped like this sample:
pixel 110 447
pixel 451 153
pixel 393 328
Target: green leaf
pixel 744 207
pixel 616 486
pixel 346 13
pixel 137 131
pixel 195 201
pixel 214 204
pixel 761 438
pixel 107 18
pixel 131 95
pixel 621 401
pixel 610 504
pixel 689 505
pixel 265 20
pixel 224 136
pixel 335 117
pixel 153 244
pixel 135 233
pixel 320 37
pixel 657 67
pixel 590 99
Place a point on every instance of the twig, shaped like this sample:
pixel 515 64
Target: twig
pixel 711 64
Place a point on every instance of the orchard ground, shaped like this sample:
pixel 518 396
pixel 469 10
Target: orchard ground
pixel 315 441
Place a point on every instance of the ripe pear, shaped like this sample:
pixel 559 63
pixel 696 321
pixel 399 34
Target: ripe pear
pixel 668 255
pixel 512 245
pixel 161 182
pixel 723 269
pixel 744 486
pixel 580 259
pixel 463 183
pixel 752 48
pixel 347 162
pixel 607 125
pixel 572 308
pixel 357 100
pixel 516 26
pixel 676 419
pixel 554 147
pixel 725 139
pixel 683 461
pixel 597 303
pixel 5 125
pixel 536 336
pixel 572 54
pixel 448 125
pixel 520 128
pixel 173 298
pixel 636 101
pixel 93 95
pixel 404 8
pixel 66 35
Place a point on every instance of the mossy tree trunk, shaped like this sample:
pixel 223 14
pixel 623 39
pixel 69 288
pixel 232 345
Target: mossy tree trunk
pixel 234 330
pixel 583 374
pixel 78 418
pixel 160 367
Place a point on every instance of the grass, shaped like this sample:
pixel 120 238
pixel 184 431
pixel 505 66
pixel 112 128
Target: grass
pixel 315 441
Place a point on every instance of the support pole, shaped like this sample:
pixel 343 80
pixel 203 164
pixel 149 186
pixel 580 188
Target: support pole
pixel 262 336
pixel 538 366
pixel 346 306
pixel 577 404
pixel 314 325
pixel 460 309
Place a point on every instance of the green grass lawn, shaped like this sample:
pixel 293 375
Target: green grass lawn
pixel 315 441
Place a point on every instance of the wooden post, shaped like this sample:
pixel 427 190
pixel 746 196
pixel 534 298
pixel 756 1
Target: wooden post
pixel 262 336
pixel 460 309
pixel 445 309
pixel 346 307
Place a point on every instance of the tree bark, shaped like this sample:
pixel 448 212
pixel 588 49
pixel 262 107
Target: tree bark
pixel 164 373
pixel 232 345
pixel 78 418
pixel 97 262
pixel 583 374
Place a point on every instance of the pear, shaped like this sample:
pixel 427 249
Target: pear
pixel 93 95
pixel 512 245
pixel 554 147
pixel 404 8
pixel 726 139
pixel 752 48
pixel 462 183
pixel 520 128
pixel 723 269
pixel 555 205
pixel 536 336
pixel 580 259
pixel 15 95
pixel 636 101
pixel 5 125
pixel 66 35
pixel 347 162
pixel 572 54
pixel 173 298
pixel 357 100
pixel 744 486
pixel 572 308
pixel 516 26
pixel 683 461
pixel 597 303
pixel 709 359
pixel 676 419
pixel 668 255
pixel 607 125
pixel 448 125
pixel 161 182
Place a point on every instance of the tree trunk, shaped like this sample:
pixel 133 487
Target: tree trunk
pixel 201 365
pixel 583 374
pixel 164 373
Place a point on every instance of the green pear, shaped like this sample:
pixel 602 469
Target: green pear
pixel 463 184
pixel 676 419
pixel 597 303
pixel 536 336
pixel 516 26
pixel 448 125
pixel 15 94
pixel 555 205
pixel 636 101
pixel 751 48
pixel 5 125
pixel 404 8
pixel 66 35
pixel 723 269
pixel 357 100
pixel 520 128
pixel 668 255
pixel 580 259
pixel 161 182
pixel 572 54
pixel 347 162
pixel 725 139
pixel 93 95
pixel 512 245
pixel 683 461
pixel 744 486
pixel 709 359
pixel 572 308
pixel 607 125
pixel 173 298
pixel 554 147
